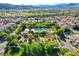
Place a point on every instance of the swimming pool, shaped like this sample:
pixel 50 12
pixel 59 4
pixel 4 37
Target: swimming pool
pixel 38 29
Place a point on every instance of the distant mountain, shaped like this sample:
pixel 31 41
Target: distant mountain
pixel 64 5
pixel 10 6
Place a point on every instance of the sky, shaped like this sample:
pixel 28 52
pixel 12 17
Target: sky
pixel 38 2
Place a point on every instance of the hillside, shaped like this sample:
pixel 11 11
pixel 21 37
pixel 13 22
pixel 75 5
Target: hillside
pixel 11 6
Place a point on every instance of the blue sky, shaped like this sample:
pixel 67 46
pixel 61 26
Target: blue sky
pixel 38 2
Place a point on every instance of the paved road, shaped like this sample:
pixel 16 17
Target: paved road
pixel 69 46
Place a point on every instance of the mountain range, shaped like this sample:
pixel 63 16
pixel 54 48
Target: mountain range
pixel 58 6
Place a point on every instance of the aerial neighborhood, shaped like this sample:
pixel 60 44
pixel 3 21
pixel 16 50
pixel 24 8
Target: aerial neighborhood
pixel 35 31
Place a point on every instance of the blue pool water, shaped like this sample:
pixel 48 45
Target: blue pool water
pixel 39 29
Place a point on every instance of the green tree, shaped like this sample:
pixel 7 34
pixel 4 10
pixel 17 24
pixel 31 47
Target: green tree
pixel 14 42
pixel 25 46
pixel 59 31
pixel 18 30
pixel 70 53
pixel 63 50
pixel 49 48
pixel 36 49
pixel 14 51
pixel 23 26
pixel 3 35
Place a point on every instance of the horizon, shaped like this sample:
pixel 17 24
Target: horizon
pixel 37 2
pixel 32 4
